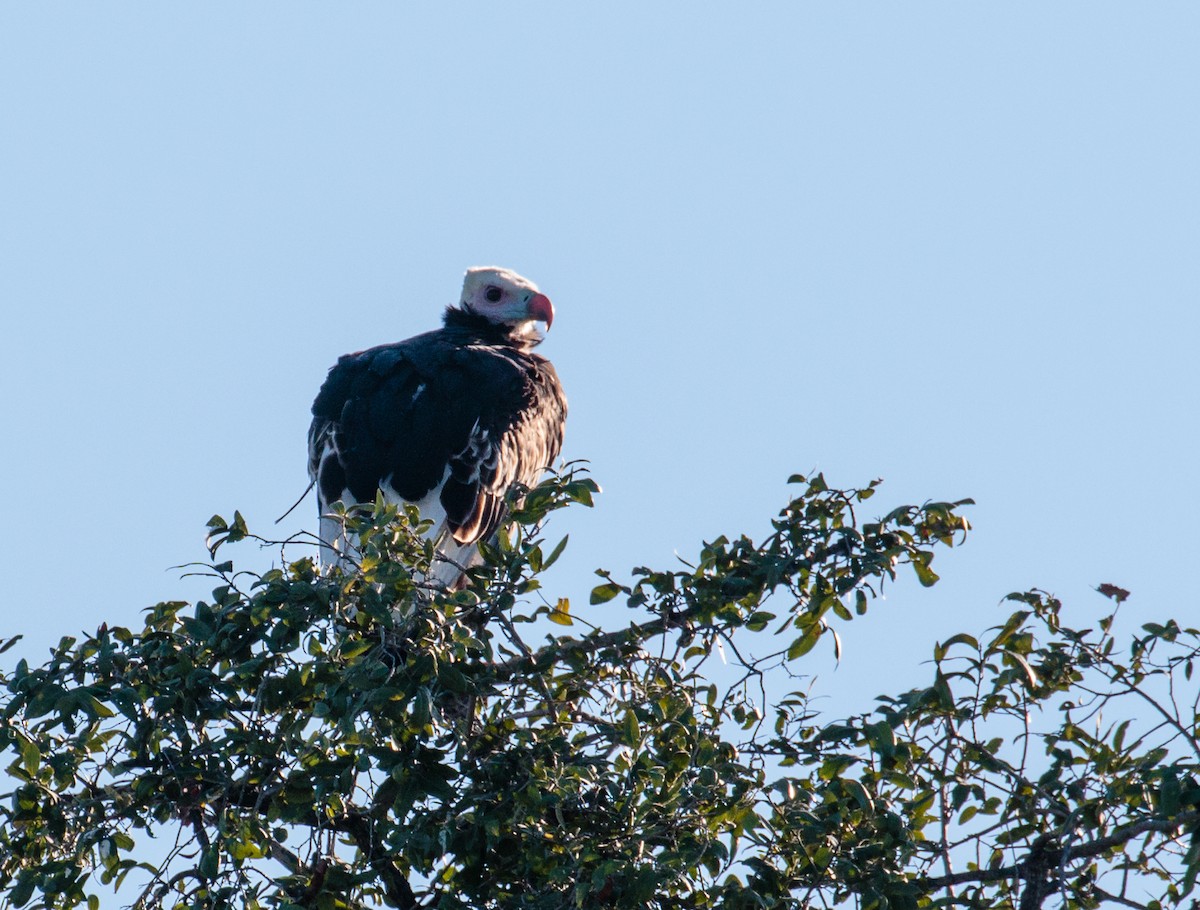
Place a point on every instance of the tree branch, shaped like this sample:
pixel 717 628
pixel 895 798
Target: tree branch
pixel 1116 898
pixel 1036 863
pixel 635 633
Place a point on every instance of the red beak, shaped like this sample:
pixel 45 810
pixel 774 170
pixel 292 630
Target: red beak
pixel 541 308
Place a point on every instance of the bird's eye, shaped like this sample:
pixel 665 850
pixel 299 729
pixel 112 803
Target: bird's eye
pixel 493 293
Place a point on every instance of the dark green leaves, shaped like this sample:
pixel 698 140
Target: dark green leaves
pixel 806 641
pixel 607 591
pixel 361 738
pixel 222 532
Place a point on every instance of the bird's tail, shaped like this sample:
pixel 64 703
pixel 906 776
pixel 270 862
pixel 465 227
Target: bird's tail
pixel 451 560
pixel 336 546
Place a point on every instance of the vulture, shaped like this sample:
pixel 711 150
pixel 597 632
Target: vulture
pixel 448 420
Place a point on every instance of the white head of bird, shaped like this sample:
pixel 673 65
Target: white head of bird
pixel 503 297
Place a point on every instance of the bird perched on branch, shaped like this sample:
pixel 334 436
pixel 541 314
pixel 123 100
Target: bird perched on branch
pixel 448 420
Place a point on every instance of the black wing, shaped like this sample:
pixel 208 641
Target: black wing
pixel 406 414
pixel 517 436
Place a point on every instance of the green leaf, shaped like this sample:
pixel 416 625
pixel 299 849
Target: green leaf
pixel 31 756
pixel 940 649
pixel 604 593
pixel 756 622
pixel 1119 736
pixel 961 639
pixel 920 563
pixel 23 891
pixel 859 793
pixel 1030 673
pixel 100 709
pixel 805 642
pixel 632 730
pixel 210 861
pixel 882 738
pixel 581 491
pixel 941 689
pixel 221 532
pixel 556 552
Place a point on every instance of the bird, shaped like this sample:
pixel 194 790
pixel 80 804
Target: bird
pixel 448 420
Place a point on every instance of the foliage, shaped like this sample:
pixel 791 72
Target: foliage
pixel 350 738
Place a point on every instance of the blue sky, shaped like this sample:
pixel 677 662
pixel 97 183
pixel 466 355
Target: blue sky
pixel 950 245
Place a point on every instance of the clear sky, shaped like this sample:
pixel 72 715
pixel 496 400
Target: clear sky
pixel 953 245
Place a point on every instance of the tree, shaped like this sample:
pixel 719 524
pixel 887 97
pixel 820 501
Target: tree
pixel 347 739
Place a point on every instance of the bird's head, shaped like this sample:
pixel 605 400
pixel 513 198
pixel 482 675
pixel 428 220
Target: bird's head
pixel 505 298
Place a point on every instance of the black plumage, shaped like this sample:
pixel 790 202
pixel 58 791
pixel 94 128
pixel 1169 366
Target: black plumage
pixel 449 419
